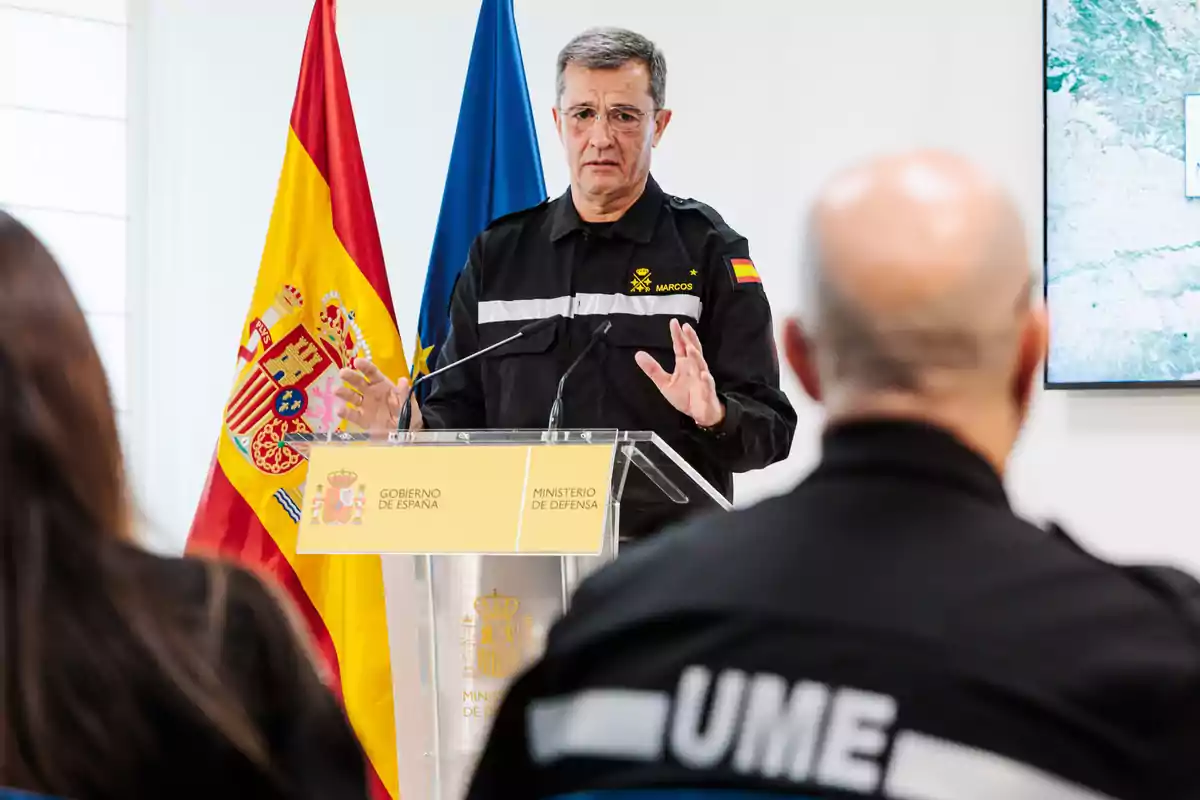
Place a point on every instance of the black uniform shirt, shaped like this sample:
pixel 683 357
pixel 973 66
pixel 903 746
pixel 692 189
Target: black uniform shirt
pixel 666 257
pixel 890 628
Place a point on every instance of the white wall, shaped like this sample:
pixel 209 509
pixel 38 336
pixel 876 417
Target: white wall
pixel 769 97
pixel 62 153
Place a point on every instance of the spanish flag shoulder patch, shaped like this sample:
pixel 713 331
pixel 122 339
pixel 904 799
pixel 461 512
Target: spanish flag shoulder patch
pixel 743 271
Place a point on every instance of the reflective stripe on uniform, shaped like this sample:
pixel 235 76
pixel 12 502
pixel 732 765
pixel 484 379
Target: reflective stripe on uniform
pixel 673 305
pixel 600 723
pixel 583 305
pixel 633 726
pixel 927 768
pixel 520 310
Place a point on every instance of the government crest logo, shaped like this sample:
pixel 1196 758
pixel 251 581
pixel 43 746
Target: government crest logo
pixel 339 503
pixel 288 368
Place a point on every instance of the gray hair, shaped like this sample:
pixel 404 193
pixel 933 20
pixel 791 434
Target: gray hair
pixel 609 48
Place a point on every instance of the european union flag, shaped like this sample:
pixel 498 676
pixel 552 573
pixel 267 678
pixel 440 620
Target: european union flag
pixel 495 166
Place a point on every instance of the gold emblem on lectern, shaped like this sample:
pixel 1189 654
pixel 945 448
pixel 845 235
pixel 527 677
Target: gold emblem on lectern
pixel 495 641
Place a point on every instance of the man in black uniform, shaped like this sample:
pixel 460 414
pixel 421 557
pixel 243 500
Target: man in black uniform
pixel 891 627
pixel 690 354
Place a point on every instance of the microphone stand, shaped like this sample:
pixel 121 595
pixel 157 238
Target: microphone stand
pixel 405 415
pixel 556 408
pixel 570 564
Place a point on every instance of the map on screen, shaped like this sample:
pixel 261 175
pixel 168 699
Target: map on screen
pixel 1123 191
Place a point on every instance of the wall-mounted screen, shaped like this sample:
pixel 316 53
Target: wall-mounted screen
pixel 1122 117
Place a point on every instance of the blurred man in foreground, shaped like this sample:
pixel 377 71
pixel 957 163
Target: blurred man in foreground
pixel 890 627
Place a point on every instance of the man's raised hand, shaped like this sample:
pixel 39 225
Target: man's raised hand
pixel 372 401
pixel 690 388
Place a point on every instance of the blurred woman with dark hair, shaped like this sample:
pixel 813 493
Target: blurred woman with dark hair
pixel 125 674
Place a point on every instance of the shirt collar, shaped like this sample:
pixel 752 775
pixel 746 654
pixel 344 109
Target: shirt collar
pixel 909 448
pixel 636 224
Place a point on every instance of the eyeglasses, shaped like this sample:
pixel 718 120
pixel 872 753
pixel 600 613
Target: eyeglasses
pixel 624 119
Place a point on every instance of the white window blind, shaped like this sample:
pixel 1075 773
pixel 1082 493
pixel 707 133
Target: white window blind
pixel 63 106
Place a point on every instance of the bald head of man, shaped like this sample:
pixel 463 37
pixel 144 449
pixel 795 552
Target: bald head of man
pixel 918 301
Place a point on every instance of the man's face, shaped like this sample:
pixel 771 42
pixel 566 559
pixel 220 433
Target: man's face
pixel 608 125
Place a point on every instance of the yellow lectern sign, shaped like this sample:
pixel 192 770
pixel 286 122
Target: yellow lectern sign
pixel 537 499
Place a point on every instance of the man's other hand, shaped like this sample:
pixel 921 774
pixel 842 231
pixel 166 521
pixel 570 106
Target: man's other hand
pixel 372 401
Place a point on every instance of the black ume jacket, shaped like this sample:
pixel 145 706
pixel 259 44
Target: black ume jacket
pixel 890 628
pixel 666 257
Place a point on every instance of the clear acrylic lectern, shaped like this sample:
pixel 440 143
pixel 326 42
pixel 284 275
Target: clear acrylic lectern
pixel 484 535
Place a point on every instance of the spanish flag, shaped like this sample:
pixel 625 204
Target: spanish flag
pixel 320 301
pixel 744 271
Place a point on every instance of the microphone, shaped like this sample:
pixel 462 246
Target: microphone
pixel 527 330
pixel 598 336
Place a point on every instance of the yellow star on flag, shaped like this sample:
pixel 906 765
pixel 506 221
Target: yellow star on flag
pixel 421 359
